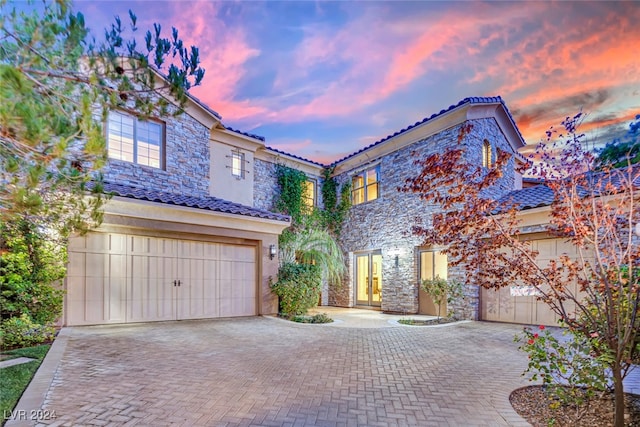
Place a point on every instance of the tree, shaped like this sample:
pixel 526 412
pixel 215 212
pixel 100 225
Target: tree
pixel 594 211
pixel 621 151
pixel 57 85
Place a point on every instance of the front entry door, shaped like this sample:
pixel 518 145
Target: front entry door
pixel 369 279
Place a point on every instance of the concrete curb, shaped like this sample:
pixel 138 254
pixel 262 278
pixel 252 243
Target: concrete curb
pixel 29 411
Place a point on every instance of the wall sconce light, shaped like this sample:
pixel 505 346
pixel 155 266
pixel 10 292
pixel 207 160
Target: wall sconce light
pixel 272 251
pixel 397 260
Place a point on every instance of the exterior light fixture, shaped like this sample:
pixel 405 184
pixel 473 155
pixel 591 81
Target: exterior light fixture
pixel 272 251
pixel 397 260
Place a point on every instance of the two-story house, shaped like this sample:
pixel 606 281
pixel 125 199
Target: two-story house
pixel 180 237
pixel 190 231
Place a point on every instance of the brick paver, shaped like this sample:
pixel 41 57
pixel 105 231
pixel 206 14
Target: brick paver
pixel 268 372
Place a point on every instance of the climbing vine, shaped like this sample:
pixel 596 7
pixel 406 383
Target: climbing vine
pixel 290 200
pixel 335 208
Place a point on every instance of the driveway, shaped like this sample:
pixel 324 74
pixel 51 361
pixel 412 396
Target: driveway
pixel 270 372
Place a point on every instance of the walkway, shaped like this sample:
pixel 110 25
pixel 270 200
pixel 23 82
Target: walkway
pixel 269 372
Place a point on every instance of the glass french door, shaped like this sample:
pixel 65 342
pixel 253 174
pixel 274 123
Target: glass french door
pixel 369 279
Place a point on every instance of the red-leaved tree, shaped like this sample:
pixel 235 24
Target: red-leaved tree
pixel 595 293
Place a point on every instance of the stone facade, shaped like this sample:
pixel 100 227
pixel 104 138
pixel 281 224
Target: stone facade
pixel 186 154
pixel 384 224
pixel 265 184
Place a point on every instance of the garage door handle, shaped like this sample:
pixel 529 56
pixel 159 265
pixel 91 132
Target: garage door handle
pixel 179 283
pixel 176 283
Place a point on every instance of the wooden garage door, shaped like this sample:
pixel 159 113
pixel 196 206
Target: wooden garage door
pixel 120 278
pixel 518 304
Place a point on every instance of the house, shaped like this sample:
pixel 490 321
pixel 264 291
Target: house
pixel 180 237
pixel 190 231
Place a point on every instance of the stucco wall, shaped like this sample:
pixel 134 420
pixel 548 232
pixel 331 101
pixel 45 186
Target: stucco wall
pixel 186 157
pixel 385 223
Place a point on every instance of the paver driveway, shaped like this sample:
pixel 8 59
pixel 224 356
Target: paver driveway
pixel 269 372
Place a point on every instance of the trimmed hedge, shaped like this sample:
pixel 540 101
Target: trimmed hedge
pixel 298 288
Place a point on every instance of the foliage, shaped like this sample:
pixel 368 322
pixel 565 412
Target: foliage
pixel 58 85
pixel 567 368
pixel 316 318
pixel 30 266
pixel 15 379
pixel 298 288
pixel 308 240
pixel 594 212
pixel 441 290
pixel 623 151
pixel 290 200
pixel 23 332
pixel 314 246
pixel 335 209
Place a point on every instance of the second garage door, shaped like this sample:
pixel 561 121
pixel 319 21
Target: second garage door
pixel 518 304
pixel 122 278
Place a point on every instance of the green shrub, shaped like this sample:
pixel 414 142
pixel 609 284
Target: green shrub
pixel 316 318
pixel 298 288
pixel 568 368
pixel 22 332
pixel 30 267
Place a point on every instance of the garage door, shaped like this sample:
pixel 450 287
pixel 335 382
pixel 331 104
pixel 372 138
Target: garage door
pixel 518 304
pixel 122 278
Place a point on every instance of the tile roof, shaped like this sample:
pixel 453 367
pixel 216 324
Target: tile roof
pixel 528 198
pixel 470 100
pixel 250 135
pixel 604 183
pixel 206 203
pixel 296 157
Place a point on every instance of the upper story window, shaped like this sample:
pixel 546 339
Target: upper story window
pixel 309 193
pixel 486 154
pixel 237 164
pixel 364 186
pixel 134 140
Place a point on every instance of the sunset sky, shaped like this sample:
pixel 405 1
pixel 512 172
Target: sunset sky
pixel 324 79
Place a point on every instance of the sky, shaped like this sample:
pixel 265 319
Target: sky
pixel 324 79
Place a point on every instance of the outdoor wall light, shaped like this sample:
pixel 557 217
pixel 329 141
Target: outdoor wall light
pixel 397 260
pixel 272 251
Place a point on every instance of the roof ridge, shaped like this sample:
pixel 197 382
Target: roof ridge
pixel 468 100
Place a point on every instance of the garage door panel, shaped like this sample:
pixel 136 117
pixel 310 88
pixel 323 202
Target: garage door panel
pixel 117 278
pixel 528 309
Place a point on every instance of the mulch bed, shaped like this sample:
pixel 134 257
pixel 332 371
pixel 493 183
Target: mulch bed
pixel 533 404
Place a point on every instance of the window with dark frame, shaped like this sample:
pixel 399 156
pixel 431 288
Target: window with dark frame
pixel 136 141
pixel 237 164
pixel 365 186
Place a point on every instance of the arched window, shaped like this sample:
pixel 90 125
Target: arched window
pixel 486 154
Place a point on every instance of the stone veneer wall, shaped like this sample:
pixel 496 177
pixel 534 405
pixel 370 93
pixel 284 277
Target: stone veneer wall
pixel 186 161
pixel 265 184
pixel 385 223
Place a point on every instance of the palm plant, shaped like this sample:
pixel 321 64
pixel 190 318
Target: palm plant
pixel 314 246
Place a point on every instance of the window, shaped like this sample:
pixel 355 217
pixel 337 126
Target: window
pixel 237 164
pixel 134 140
pixel 364 186
pixel 486 154
pixel 433 264
pixel 309 193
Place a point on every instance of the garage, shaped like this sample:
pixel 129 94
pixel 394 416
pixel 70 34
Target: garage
pixel 124 278
pixel 519 304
